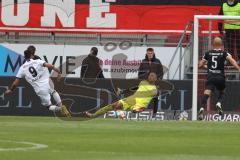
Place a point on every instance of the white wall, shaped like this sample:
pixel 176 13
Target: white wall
pixel 132 54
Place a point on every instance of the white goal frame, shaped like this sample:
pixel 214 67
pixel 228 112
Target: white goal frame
pixel 195 55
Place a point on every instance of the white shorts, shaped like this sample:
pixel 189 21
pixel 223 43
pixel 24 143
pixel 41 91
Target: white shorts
pixel 45 95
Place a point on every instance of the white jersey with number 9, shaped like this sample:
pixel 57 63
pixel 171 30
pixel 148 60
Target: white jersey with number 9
pixel 35 74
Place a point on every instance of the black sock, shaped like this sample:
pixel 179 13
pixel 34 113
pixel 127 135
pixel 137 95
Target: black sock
pixel 204 100
pixel 155 105
pixel 220 97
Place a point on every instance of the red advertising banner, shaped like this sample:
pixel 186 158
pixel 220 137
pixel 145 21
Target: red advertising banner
pixel 111 16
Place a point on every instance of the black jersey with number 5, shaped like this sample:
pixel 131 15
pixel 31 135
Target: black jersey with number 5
pixel 216 60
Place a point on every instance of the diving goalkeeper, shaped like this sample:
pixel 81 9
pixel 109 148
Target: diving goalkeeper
pixel 137 102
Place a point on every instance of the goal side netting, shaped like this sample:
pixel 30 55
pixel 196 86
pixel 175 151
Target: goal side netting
pixel 206 27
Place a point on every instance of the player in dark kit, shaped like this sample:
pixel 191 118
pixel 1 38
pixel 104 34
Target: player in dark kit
pixel 215 60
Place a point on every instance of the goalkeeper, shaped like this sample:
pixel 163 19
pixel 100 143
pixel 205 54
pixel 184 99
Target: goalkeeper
pixel 137 102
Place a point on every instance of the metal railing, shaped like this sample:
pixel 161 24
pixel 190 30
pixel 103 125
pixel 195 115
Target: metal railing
pixel 179 49
pixel 87 39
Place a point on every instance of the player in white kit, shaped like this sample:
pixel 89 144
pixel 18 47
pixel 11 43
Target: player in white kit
pixel 37 75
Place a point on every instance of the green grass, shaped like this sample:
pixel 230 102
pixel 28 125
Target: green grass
pixel 116 140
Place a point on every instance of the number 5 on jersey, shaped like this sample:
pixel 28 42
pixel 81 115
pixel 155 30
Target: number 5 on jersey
pixel 214 62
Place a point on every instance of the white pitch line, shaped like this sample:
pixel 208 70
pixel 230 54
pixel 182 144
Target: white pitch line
pixel 33 147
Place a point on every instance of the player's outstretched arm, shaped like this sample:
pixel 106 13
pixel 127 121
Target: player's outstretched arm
pixel 50 66
pixel 13 86
pixel 126 91
pixel 233 62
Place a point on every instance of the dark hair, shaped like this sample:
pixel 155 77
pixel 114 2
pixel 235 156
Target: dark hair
pixel 150 50
pixel 154 57
pixel 94 51
pixel 32 49
pixel 27 54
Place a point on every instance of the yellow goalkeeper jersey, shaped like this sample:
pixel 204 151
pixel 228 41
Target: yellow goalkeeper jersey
pixel 141 98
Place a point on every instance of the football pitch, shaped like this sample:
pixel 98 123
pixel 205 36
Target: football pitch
pixel 48 138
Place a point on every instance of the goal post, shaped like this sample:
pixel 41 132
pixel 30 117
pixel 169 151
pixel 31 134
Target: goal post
pixel 197 18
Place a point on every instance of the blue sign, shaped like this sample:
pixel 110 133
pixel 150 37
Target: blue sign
pixel 10 61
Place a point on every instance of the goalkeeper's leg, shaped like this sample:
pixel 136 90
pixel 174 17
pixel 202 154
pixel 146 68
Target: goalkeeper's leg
pixel 103 110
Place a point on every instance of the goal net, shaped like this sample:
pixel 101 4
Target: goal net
pixel 206 27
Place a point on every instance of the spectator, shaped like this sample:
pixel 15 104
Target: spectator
pixel 148 65
pixel 231 27
pixel 91 65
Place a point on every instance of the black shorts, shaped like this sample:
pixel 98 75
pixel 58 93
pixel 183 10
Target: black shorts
pixel 215 81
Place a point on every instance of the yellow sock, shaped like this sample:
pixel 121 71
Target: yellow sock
pixel 103 110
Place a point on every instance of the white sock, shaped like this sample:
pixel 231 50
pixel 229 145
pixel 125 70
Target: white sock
pixel 219 104
pixel 57 98
pixel 54 108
